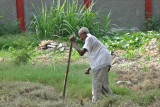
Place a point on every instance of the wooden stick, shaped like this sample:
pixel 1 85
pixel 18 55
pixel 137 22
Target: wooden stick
pixel 65 82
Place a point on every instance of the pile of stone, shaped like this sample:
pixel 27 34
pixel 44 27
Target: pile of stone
pixel 1 59
pixel 51 46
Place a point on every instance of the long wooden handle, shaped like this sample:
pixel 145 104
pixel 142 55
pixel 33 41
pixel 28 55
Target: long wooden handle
pixel 65 82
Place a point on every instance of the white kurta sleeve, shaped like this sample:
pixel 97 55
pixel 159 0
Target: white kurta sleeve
pixel 88 43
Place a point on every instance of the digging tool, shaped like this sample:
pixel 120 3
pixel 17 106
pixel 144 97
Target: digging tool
pixel 65 82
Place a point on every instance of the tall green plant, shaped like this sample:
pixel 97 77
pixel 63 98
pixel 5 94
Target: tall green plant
pixel 58 17
pixel 39 22
pixel 66 18
pixel 71 17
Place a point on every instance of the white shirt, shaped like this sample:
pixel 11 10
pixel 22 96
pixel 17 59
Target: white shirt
pixel 98 54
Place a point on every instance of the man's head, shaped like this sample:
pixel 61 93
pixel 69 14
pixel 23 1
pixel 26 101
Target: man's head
pixel 82 33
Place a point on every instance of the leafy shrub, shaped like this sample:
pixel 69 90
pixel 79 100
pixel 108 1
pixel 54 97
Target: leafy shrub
pixel 9 40
pixel 22 51
pixel 21 56
pixel 128 40
pixel 153 23
pixel 9 28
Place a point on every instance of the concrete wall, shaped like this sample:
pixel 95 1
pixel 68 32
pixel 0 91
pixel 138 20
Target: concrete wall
pixel 125 13
pixel 8 10
pixel 155 7
pixel 29 8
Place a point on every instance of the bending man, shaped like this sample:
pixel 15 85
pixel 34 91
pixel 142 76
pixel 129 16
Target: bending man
pixel 100 62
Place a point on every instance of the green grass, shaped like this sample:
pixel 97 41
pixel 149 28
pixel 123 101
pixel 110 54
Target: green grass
pixel 5 54
pixel 79 84
pixel 8 40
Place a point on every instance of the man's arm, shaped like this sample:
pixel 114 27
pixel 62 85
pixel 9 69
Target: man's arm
pixel 74 43
pixel 87 71
pixel 81 52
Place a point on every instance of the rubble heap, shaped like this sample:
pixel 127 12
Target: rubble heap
pixel 51 45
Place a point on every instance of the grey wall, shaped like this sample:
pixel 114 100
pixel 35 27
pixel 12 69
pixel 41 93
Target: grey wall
pixel 155 7
pixel 29 8
pixel 125 13
pixel 8 10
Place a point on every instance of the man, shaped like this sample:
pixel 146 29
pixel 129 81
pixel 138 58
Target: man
pixel 100 62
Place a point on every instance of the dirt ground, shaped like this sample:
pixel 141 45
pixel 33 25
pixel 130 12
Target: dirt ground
pixel 142 72
pixel 139 72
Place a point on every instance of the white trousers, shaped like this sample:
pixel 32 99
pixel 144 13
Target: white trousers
pixel 100 83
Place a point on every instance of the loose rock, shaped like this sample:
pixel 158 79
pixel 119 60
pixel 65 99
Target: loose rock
pixel 51 46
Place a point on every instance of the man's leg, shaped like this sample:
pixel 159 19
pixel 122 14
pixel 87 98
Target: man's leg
pixel 99 78
pixel 96 86
pixel 105 85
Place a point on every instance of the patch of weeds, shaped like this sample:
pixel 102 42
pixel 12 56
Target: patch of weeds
pixel 130 55
pixel 107 101
pixel 39 62
pixel 75 54
pixel 56 59
pixel 21 52
pixel 121 90
pixel 143 50
pixel 9 28
pixel 138 62
pixel 154 22
pixel 145 68
pixel 148 58
pixel 124 54
pixel 37 53
pixel 9 40
pixel 144 99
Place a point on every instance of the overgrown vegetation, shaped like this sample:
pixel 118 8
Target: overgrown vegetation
pixel 77 87
pixel 128 40
pixel 153 23
pixel 8 27
pixel 22 51
pixel 17 52
pixel 65 19
pixel 8 40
